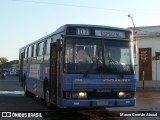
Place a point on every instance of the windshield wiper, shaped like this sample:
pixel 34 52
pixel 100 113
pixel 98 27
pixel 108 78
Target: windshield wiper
pixel 91 67
pixel 128 69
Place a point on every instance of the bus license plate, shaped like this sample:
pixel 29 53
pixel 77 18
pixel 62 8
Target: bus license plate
pixel 102 102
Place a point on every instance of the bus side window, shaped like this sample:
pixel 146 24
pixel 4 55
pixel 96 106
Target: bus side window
pixel 45 47
pixel 35 51
pixel 47 50
pixel 33 54
pixel 29 54
pixel 48 46
pixel 40 52
pixel 38 49
pixel 51 40
pixel 26 55
pixel 41 49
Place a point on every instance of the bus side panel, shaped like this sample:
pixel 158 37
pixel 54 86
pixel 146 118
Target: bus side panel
pixel 39 87
pixel 31 85
pixel 32 77
pixel 44 70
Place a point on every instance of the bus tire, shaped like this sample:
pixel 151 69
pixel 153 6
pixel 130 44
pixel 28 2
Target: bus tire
pixel 26 92
pixel 46 95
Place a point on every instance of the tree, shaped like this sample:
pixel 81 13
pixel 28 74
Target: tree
pixel 3 60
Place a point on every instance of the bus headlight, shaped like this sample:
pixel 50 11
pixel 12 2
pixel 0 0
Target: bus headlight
pixel 121 94
pixel 125 94
pixel 79 95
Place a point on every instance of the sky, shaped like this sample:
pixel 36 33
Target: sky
pixel 24 21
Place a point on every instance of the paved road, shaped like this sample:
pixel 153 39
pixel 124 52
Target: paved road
pixel 10 83
pixel 12 99
pixel 147 101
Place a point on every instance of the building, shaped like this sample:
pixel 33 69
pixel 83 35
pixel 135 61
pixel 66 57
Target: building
pixel 147 62
pixel 11 67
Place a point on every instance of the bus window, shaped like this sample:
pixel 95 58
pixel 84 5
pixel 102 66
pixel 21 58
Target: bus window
pixel 34 53
pixel 25 56
pixel 40 51
pixel 30 52
pixel 45 47
pixel 83 55
pixel 48 47
pixel 47 50
pixel 117 57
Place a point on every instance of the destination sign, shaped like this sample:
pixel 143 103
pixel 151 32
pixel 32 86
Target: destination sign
pixel 110 34
pixel 82 31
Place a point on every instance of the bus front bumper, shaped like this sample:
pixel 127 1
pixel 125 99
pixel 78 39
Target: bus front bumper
pixel 99 103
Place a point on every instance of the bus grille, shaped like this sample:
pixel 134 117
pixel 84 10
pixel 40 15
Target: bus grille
pixel 92 87
pixel 107 91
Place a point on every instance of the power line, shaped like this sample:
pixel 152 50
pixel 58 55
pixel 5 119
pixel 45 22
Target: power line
pixel 80 6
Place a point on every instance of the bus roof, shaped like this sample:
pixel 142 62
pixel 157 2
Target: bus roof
pixel 64 27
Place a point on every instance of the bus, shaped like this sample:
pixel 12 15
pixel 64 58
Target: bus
pixel 81 66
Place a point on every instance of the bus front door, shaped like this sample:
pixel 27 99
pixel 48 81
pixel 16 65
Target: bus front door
pixel 55 62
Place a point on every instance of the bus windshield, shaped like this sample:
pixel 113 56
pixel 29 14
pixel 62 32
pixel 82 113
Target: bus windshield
pixel 95 56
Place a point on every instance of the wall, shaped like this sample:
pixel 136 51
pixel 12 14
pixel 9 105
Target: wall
pixel 149 37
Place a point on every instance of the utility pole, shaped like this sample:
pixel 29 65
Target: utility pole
pixel 134 37
pixel 134 42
